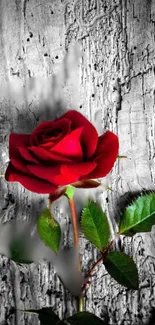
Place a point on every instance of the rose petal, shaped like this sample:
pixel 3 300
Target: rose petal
pixel 78 169
pixel 46 126
pixel 107 144
pixel 64 179
pixel 62 175
pixel 56 136
pixel 52 174
pixel 78 120
pixel 70 145
pixel 27 155
pixel 44 172
pixel 105 155
pixel 17 140
pixel 19 165
pixel 47 156
pixel 31 183
pixel 9 173
pixel 50 142
pixel 48 145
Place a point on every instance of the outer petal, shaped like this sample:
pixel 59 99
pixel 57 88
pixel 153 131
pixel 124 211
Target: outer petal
pixel 105 155
pixel 70 145
pixel 27 155
pixel 17 140
pixel 62 175
pixel 62 123
pixel 78 169
pixel 107 144
pixel 78 120
pixel 30 182
pixel 52 174
pixel 19 165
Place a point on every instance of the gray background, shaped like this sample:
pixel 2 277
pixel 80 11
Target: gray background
pixel 96 56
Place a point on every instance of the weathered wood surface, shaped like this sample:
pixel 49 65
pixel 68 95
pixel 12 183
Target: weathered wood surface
pixel 116 83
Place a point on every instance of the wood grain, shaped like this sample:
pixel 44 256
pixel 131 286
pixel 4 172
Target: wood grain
pixel 109 77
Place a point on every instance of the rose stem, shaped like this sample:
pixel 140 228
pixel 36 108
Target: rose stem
pixel 76 242
pixel 76 239
pixel 104 253
pixel 50 207
pixel 90 273
pixel 74 222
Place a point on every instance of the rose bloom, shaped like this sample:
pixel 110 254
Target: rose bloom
pixel 60 152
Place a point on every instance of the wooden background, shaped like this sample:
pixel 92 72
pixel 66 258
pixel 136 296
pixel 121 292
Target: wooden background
pixel 96 56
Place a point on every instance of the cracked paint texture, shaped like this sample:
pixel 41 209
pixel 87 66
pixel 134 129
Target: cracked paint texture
pixel 116 42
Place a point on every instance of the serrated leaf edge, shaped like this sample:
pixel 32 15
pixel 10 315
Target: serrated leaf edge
pixel 83 210
pixel 133 202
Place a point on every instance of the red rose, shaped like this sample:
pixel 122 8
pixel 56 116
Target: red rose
pixel 60 152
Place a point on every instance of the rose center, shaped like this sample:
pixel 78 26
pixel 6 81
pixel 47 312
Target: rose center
pixel 51 135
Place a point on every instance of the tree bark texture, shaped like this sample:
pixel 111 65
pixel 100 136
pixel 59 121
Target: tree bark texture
pixel 115 84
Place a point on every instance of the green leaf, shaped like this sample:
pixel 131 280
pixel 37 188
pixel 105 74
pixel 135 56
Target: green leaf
pixel 46 316
pixel 138 216
pixel 85 318
pixel 17 251
pixel 122 268
pixel 95 225
pixel 49 230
